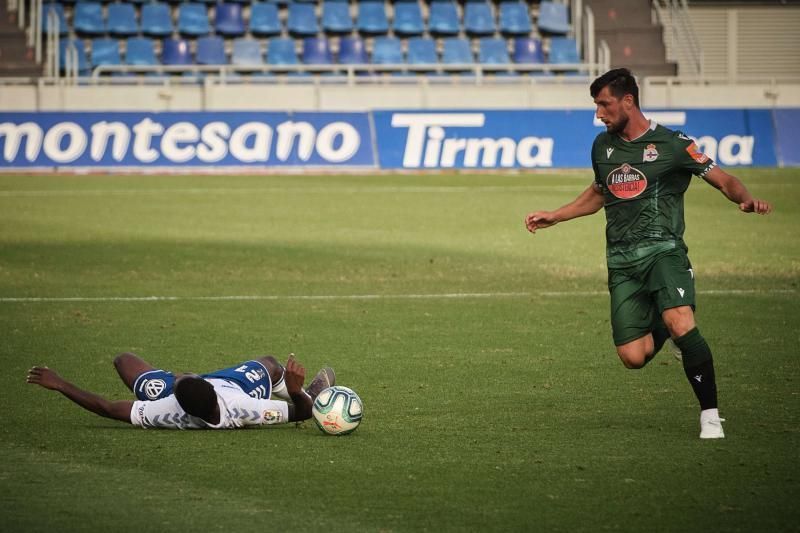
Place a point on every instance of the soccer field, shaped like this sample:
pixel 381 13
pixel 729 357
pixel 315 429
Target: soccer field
pixel 494 400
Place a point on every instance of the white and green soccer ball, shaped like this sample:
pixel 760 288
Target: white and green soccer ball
pixel 337 410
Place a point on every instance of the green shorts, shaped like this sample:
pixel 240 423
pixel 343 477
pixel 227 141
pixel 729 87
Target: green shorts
pixel 640 294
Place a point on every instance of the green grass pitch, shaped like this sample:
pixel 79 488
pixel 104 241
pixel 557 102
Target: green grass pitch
pixel 493 398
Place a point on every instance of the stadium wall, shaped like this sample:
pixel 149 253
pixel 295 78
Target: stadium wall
pixel 390 140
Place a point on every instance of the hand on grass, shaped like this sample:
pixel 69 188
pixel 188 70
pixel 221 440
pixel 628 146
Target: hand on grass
pixel 44 377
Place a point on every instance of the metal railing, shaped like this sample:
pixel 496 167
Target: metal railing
pixel 683 45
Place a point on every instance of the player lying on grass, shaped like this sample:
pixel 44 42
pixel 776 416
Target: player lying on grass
pixel 641 172
pixel 235 397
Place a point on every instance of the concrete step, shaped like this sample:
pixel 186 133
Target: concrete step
pixel 620 14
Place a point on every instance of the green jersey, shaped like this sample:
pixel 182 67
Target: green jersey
pixel 643 182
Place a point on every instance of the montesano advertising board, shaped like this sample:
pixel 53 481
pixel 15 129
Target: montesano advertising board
pixel 392 140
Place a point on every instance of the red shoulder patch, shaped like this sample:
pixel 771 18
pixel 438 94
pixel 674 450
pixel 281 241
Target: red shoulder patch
pixel 696 154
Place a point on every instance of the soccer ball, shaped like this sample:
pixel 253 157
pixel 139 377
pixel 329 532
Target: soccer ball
pixel 337 410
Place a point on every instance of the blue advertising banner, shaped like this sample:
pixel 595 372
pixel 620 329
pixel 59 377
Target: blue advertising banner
pixel 471 139
pixel 551 139
pixel 787 128
pixel 185 139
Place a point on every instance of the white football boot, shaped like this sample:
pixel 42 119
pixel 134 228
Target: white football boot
pixel 711 425
pixel 674 350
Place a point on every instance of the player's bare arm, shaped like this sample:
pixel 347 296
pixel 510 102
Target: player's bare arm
pixel 295 376
pixel 118 410
pixel 736 192
pixel 588 202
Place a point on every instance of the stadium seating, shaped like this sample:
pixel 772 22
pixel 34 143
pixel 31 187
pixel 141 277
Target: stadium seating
pixel 372 19
pixel 387 51
pixel 528 50
pixel 247 52
pixel 63 27
pixel 122 20
pixel 443 18
pixel 156 20
pixel 336 17
pixel 211 51
pixel 88 18
pixel 456 50
pixel 478 18
pixel 316 51
pixel 105 51
pixel 407 19
pixel 176 52
pixel 80 50
pixel 553 18
pixel 393 31
pixel 422 54
pixel 264 19
pixel 229 21
pixel 140 51
pixel 282 51
pixel 563 50
pixel 514 18
pixel 302 20
pixel 193 20
pixel 352 51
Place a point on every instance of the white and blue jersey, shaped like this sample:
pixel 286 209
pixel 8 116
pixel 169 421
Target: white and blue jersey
pixel 251 376
pixel 236 410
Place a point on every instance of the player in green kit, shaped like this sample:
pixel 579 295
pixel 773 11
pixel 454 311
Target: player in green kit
pixel 641 171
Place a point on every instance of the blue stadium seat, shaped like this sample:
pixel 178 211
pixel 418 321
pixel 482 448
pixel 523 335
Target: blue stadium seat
pixel 193 19
pixel 387 51
pixel 302 20
pixel 229 21
pixel 372 18
pixel 316 51
pixel 122 19
pixel 247 53
pixel 563 50
pixel 515 18
pixel 211 51
pixel 493 51
pixel 407 19
pixel 456 50
pixel 336 17
pixel 176 52
pixel 352 51
pixel 105 51
pixel 553 18
pixel 140 51
pixel 156 20
pixel 281 51
pixel 528 50
pixel 84 67
pixel 422 53
pixel 264 19
pixel 443 18
pixel 478 19
pixel 87 18
pixel 58 8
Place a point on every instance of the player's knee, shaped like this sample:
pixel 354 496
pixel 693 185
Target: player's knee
pixel 632 359
pixel 679 321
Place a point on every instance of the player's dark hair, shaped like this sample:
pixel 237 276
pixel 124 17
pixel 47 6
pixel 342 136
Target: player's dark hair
pixel 619 81
pixel 196 396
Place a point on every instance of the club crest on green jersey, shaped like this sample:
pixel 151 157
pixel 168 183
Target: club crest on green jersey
pixel 626 182
pixel 650 153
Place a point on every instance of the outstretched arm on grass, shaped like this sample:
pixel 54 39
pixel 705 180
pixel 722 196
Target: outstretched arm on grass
pixel 118 410
pixel 588 202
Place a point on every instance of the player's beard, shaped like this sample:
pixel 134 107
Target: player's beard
pixel 619 126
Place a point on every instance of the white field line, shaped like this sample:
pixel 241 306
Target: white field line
pixel 335 297
pixel 292 190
